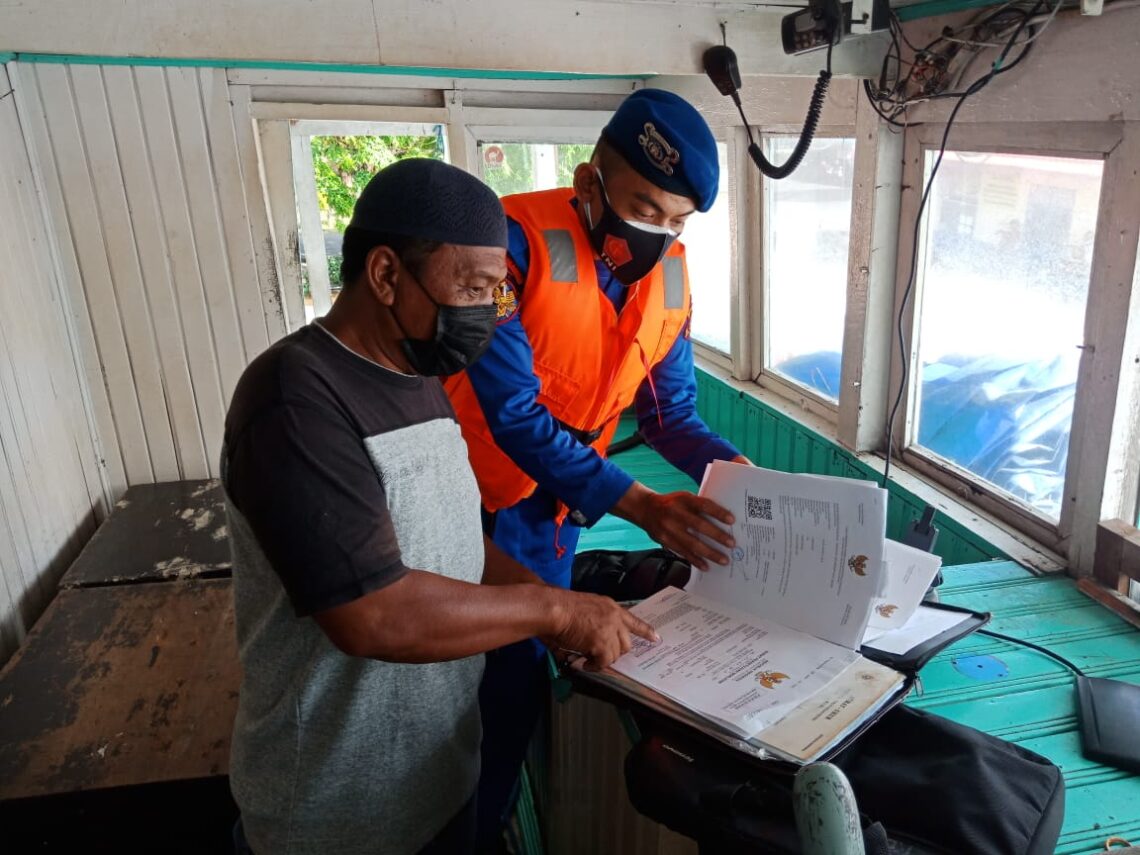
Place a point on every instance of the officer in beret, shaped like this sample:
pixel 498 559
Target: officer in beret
pixel 592 317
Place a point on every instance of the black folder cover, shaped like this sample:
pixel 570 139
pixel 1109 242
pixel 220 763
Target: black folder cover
pixel 1110 721
pixel 914 659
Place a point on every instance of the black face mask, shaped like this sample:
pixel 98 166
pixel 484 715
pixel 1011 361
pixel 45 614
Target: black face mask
pixel 629 249
pixel 462 333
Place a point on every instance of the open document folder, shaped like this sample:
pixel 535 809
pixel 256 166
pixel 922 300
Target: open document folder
pixel 775 653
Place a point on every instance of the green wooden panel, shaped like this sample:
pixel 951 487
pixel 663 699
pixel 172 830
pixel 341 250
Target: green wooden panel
pixel 899 513
pixel 772 440
pixel 939 7
pixel 754 428
pixel 1096 811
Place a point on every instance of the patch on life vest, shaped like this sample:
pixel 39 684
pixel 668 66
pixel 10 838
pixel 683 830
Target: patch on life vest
pixel 506 301
pixel 660 153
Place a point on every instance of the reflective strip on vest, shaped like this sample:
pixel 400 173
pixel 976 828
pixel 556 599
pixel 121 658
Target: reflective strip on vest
pixel 588 371
pixel 563 261
pixel 674 283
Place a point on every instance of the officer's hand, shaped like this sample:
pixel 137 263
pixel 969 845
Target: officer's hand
pixel 598 628
pixel 674 519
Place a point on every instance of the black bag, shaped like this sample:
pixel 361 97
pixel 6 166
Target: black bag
pixel 628 575
pixel 934 786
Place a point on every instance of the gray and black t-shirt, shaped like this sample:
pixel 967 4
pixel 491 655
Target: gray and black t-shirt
pixel 340 476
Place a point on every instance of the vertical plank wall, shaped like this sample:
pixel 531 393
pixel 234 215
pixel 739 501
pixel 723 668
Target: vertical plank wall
pixel 770 439
pixel 144 191
pixel 50 485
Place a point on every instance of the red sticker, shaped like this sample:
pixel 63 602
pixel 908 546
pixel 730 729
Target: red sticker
pixel 617 250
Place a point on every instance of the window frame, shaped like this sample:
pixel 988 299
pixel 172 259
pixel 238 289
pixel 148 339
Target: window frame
pixel 281 126
pixel 481 125
pixel 760 373
pixel 1095 141
pixel 494 134
pixel 706 351
pixel 301 133
pixel 884 179
pixel 282 130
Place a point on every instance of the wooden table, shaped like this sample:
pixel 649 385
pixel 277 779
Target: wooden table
pixel 157 532
pixel 117 693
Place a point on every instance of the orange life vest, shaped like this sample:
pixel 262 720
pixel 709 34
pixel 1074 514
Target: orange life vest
pixel 588 358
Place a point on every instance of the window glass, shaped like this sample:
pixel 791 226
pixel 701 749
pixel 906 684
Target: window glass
pixel 1004 280
pixel 523 167
pixel 807 227
pixel 708 253
pixel 342 165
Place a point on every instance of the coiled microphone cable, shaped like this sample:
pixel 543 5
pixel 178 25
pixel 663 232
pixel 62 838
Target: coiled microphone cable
pixel 720 66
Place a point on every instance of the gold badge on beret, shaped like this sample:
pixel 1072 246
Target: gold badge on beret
pixel 660 153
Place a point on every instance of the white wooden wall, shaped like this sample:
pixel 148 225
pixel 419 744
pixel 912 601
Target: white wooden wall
pixel 587 36
pixel 144 189
pixel 50 486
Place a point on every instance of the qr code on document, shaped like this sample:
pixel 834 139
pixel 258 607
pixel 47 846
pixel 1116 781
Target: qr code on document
pixel 759 509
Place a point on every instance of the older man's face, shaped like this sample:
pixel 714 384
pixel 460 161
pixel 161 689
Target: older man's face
pixel 452 276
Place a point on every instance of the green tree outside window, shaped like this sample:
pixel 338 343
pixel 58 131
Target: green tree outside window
pixel 343 165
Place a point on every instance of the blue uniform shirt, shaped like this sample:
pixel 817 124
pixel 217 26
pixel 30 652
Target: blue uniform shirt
pixel 505 384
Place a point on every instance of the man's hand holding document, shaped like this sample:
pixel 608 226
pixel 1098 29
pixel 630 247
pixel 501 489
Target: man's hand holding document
pixel 764 653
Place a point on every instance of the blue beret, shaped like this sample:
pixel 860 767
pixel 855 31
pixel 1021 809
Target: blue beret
pixel 666 140
pixel 429 199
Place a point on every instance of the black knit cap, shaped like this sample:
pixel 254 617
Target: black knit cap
pixel 429 199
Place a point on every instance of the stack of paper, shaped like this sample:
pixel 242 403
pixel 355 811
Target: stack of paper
pixel 749 676
pixel 764 652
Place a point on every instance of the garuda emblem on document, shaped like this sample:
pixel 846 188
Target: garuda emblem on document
pixel 769 679
pixel 858 564
pixel 886 609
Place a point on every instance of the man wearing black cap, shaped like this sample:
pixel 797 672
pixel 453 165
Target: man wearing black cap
pixel 364 591
pixel 592 317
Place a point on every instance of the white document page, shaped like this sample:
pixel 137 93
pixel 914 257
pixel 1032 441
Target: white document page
pixel 730 666
pixel 808 550
pixel 803 733
pixel 908 576
pixel 833 712
pixel 924 624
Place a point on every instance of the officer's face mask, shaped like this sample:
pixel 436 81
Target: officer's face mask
pixel 462 333
pixel 630 249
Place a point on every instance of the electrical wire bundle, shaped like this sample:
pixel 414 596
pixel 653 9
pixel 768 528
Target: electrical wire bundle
pixel 937 70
